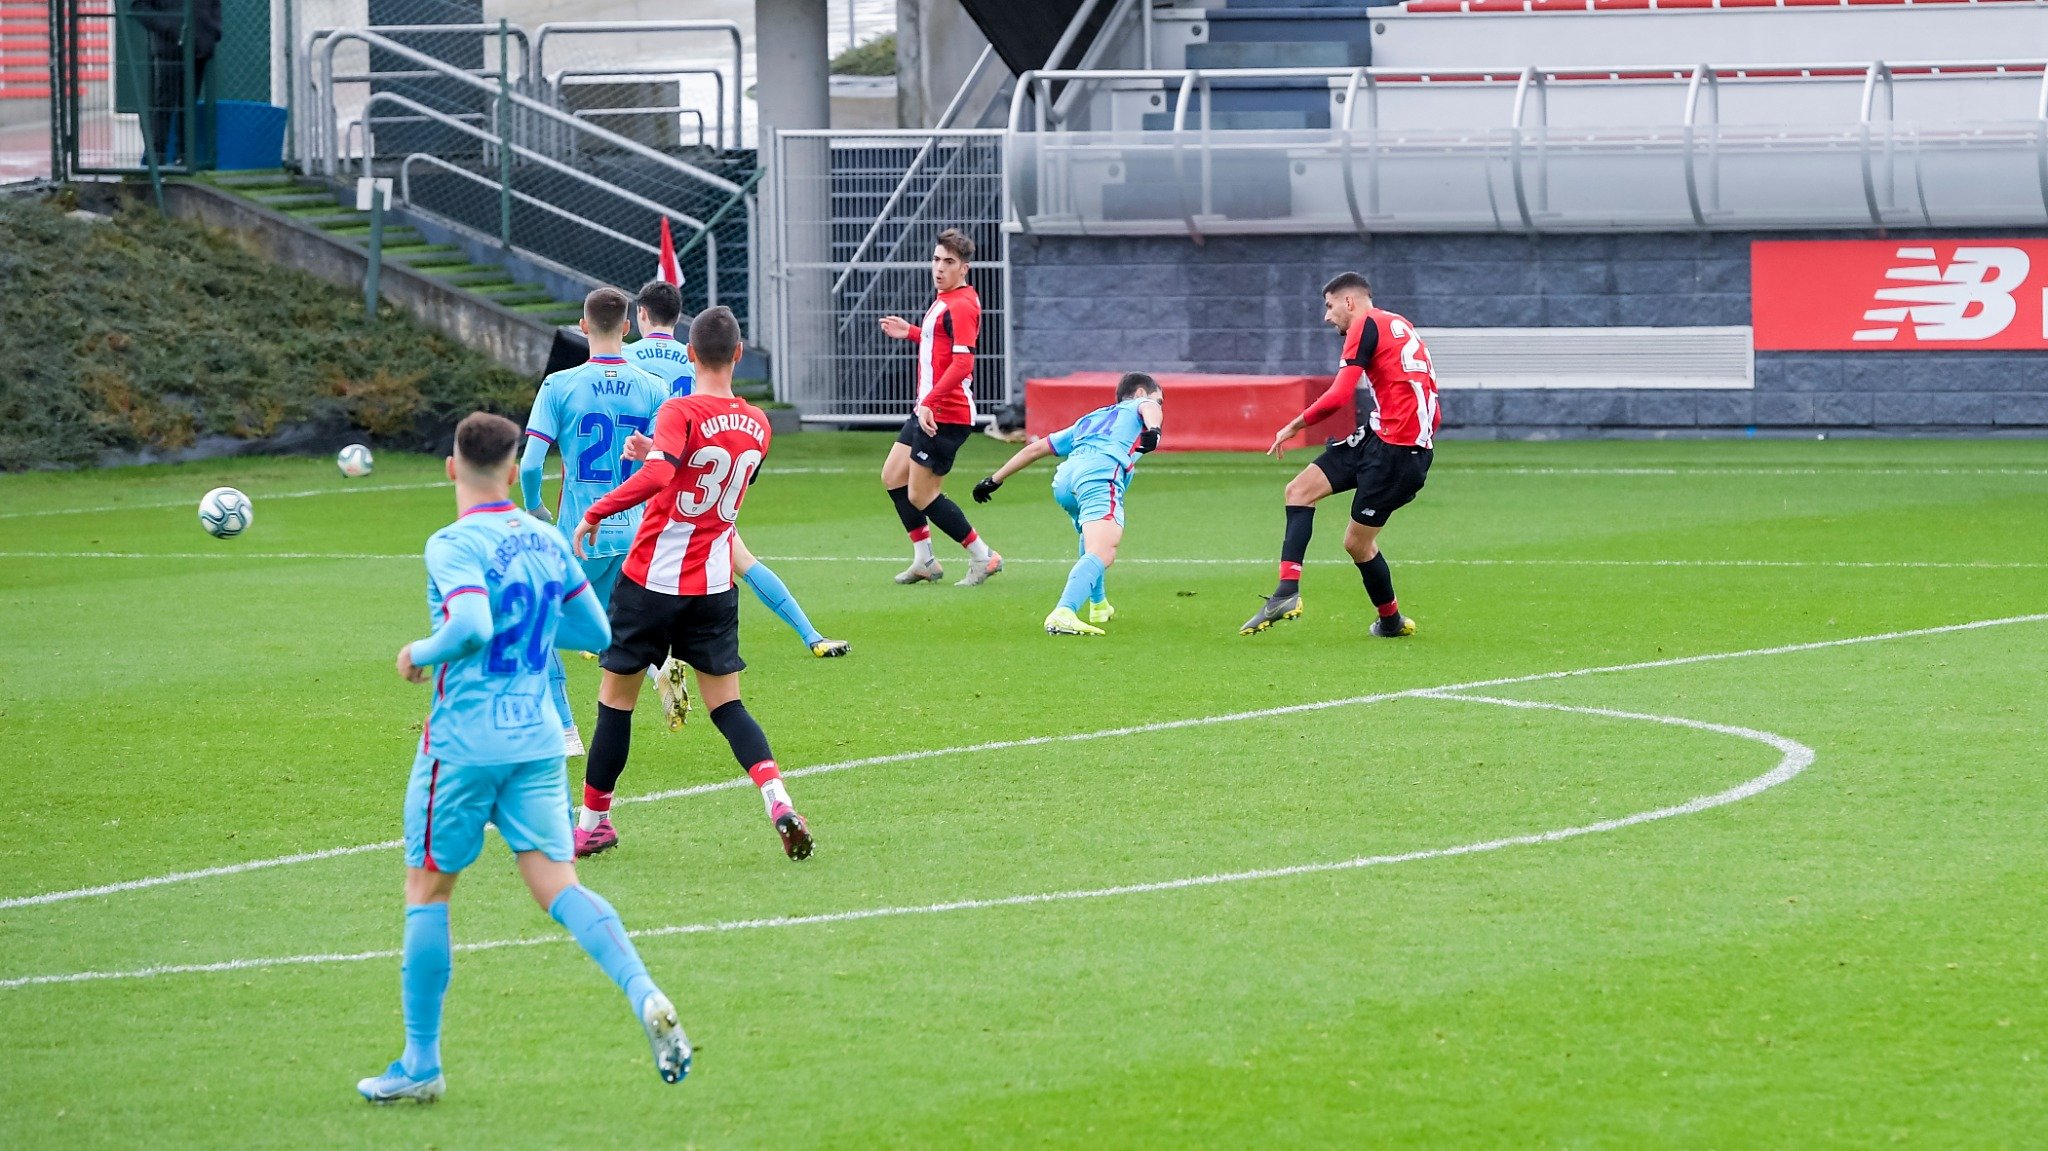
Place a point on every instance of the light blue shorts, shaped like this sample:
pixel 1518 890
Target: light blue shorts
pixel 1090 494
pixel 603 573
pixel 447 805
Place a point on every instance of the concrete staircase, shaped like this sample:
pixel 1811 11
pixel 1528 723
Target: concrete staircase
pixel 316 205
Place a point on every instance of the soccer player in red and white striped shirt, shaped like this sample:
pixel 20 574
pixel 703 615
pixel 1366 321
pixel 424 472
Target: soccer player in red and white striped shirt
pixel 676 597
pixel 1383 463
pixel 915 471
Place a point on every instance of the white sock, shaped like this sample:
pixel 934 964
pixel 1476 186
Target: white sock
pixel 773 793
pixel 588 820
pixel 978 550
pixel 654 676
pixel 923 553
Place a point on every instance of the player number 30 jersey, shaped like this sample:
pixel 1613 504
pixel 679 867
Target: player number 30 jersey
pixel 716 444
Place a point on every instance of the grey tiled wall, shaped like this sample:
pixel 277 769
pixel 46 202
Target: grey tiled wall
pixel 1250 304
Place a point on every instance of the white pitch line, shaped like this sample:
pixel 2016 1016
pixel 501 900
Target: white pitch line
pixel 1795 757
pixel 188 503
pixel 1152 561
pixel 737 782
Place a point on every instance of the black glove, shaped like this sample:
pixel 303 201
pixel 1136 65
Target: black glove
pixel 1148 441
pixel 986 490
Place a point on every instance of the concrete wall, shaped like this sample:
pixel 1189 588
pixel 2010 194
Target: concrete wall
pixel 1250 304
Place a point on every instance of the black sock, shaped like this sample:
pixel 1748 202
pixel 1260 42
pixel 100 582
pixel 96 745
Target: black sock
pixel 947 517
pixel 749 743
pixel 609 744
pixel 905 510
pixel 1301 525
pixel 1379 584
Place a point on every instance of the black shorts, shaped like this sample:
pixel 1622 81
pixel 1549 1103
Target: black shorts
pixel 650 626
pixel 935 452
pixel 1381 476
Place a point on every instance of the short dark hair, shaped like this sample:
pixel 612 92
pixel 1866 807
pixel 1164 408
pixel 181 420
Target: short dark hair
pixel 1347 281
pixel 663 302
pixel 1133 383
pixel 955 241
pixel 605 309
pixel 715 337
pixel 484 440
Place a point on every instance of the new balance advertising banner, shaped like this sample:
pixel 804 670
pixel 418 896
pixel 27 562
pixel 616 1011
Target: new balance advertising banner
pixel 1899 295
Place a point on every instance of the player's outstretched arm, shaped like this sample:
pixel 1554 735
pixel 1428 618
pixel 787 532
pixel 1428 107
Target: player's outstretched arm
pixel 1027 455
pixel 898 328
pixel 584 626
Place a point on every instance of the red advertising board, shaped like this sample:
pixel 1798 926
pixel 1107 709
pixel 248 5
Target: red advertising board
pixel 1899 295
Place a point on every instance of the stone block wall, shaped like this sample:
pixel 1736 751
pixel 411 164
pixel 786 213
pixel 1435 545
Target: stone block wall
pixel 1251 304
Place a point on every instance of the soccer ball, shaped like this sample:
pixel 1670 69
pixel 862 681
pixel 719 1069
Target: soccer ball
pixel 354 460
pixel 225 513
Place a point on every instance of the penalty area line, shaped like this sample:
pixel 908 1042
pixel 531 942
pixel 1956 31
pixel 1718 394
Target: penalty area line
pixel 1794 758
pixel 737 782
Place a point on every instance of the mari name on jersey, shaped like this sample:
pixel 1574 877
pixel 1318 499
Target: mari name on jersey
pixel 492 707
pixel 684 546
pixel 586 412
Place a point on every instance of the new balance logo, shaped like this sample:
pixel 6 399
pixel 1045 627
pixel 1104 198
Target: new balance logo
pixel 1970 299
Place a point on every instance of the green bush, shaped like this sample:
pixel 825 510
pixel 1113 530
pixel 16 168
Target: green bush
pixel 876 57
pixel 149 334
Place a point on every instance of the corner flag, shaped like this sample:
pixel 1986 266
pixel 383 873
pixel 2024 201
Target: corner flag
pixel 669 271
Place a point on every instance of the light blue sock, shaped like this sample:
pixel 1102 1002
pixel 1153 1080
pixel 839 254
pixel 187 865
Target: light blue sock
pixel 597 928
pixel 1082 580
pixel 775 594
pixel 423 985
pixel 1101 592
pixel 558 678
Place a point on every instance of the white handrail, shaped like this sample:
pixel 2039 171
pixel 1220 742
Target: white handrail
pixel 593 27
pixel 1530 140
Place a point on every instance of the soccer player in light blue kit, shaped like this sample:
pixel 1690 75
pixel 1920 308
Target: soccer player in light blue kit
pixel 587 412
pixel 503 590
pixel 660 354
pixel 1101 449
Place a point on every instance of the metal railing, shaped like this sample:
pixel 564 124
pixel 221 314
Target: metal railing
pixel 507 167
pixel 528 155
pixel 544 82
pixel 1533 149
pixel 827 279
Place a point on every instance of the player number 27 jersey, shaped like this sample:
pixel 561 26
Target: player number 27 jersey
pixel 716 445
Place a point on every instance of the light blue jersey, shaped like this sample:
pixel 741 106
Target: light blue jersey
pixel 491 706
pixel 1110 432
pixel 586 412
pixel 665 358
pixel 1101 449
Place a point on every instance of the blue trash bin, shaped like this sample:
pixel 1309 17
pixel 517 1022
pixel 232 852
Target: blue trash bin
pixel 246 134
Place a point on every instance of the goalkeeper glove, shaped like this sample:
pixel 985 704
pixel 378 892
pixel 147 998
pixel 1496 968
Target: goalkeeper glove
pixel 1148 441
pixel 542 514
pixel 986 489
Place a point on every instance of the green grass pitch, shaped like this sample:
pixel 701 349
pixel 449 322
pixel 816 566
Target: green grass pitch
pixel 1850 957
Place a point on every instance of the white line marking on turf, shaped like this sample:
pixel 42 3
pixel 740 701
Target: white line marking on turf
pixel 1209 561
pixel 1794 757
pixel 1071 737
pixel 309 493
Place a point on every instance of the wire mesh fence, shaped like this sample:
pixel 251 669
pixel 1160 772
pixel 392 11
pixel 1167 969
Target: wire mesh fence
pixel 468 128
pixel 175 85
pixel 856 217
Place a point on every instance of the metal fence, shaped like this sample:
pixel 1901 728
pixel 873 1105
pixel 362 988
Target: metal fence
pixel 854 217
pixel 171 89
pixel 469 147
pixel 1536 150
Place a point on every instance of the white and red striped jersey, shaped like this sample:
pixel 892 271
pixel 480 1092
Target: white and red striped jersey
pixel 1387 351
pixel 945 355
pixel 715 444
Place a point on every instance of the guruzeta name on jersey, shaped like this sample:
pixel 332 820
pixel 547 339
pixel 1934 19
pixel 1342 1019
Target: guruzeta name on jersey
pixel 733 422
